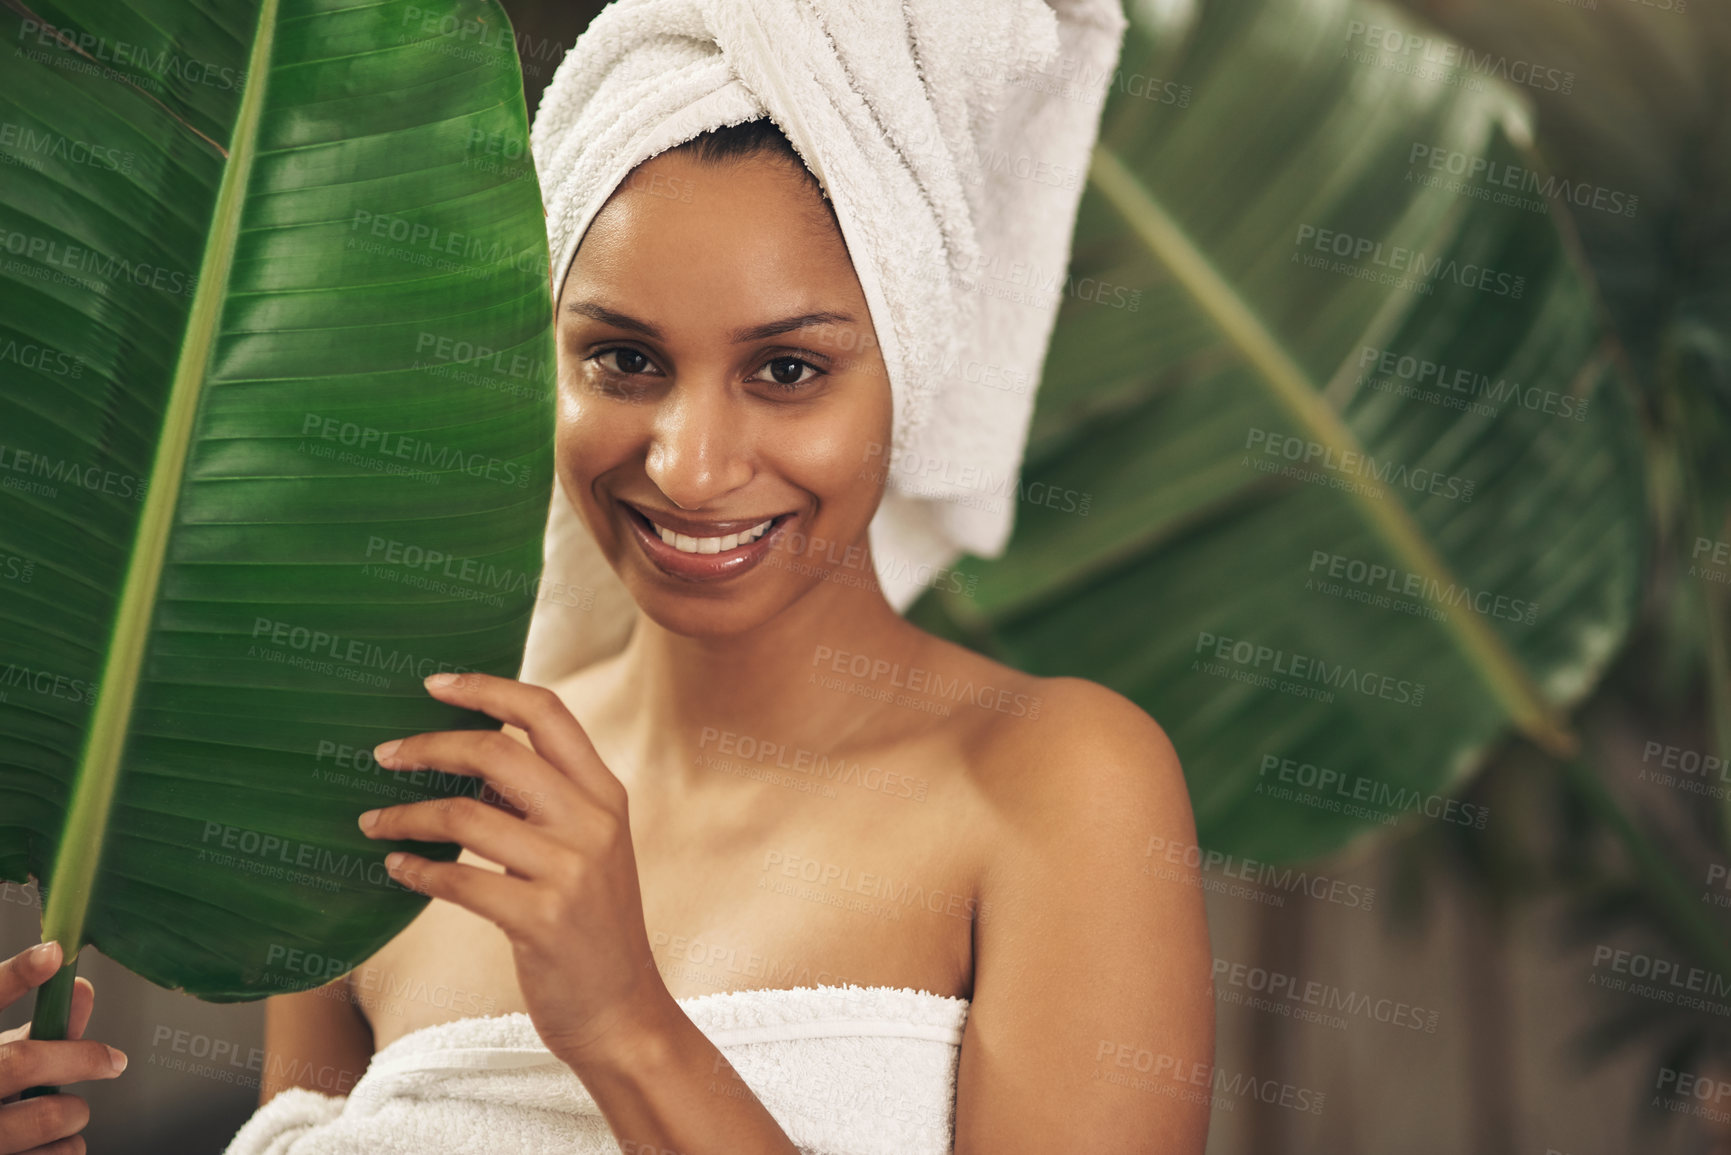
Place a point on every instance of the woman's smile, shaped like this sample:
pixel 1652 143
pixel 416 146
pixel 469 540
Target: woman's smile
pixel 704 549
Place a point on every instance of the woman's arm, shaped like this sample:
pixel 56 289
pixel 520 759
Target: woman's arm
pixel 570 904
pixel 316 1039
pixel 1092 1021
pixel 668 1088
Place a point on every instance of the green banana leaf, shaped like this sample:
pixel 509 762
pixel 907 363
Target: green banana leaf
pixel 1386 618
pixel 275 443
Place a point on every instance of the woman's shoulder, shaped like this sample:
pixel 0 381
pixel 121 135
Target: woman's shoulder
pixel 1039 743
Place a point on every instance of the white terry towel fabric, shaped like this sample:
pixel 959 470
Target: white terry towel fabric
pixel 952 138
pixel 845 1070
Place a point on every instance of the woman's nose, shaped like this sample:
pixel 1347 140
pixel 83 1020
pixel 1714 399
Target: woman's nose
pixel 698 452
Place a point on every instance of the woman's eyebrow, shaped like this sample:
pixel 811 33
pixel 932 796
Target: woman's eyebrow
pixel 739 336
pixel 788 325
pixel 608 316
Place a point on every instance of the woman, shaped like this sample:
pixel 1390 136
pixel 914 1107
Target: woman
pixel 976 841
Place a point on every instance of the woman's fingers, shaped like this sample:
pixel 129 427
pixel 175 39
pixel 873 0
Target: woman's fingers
pixel 35 1062
pixel 30 1124
pixel 538 712
pixel 83 1001
pixel 496 897
pixel 516 773
pixel 72 1145
pixel 27 970
pixel 54 1062
pixel 486 830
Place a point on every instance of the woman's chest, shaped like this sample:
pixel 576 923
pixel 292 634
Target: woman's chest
pixel 882 894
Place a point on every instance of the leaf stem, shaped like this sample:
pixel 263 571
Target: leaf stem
pixel 67 888
pixel 1293 390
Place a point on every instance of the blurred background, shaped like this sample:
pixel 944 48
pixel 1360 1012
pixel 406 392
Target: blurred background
pixel 1487 244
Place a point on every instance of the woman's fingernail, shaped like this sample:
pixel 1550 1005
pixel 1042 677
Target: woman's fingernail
pixel 438 681
pixel 41 954
pixel 369 820
pixel 117 1059
pixel 383 751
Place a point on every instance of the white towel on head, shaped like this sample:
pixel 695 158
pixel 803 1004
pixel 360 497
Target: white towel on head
pixel 845 1070
pixel 952 138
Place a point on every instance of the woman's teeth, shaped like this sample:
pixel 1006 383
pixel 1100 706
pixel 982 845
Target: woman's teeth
pixel 685 543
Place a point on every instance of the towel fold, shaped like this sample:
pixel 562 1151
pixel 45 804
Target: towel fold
pixel 952 138
pixel 845 1070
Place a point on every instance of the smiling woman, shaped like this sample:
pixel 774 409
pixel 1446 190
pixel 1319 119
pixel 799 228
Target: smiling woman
pixel 719 376
pixel 783 872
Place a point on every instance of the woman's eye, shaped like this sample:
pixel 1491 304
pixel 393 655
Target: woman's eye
pixel 786 371
pixel 624 361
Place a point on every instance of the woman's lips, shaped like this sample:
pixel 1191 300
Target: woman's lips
pixel 703 566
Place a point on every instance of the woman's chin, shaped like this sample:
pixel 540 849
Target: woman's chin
pixel 708 610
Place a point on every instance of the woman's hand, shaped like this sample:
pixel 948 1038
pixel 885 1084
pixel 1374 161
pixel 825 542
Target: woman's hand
pixel 555 819
pixel 49 1124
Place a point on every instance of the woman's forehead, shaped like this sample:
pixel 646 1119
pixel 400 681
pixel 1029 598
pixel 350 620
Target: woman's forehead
pixel 739 243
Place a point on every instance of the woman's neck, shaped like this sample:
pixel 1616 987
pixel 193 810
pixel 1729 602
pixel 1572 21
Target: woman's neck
pixel 774 684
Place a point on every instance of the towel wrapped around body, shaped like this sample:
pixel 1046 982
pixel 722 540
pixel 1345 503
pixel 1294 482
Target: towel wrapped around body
pixel 845 1070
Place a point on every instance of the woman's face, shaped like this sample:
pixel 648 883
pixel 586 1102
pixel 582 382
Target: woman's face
pixel 717 371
